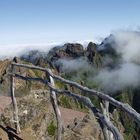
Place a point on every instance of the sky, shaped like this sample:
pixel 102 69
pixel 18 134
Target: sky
pixel 49 21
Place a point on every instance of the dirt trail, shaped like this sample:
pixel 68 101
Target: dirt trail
pixel 4 101
pixel 68 115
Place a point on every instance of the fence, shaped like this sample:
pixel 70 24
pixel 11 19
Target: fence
pixel 110 132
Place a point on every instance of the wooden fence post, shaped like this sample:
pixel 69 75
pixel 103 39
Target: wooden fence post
pixel 56 110
pixel 105 110
pixel 14 102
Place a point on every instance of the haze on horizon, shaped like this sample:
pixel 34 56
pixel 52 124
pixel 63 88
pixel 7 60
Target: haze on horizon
pixel 48 21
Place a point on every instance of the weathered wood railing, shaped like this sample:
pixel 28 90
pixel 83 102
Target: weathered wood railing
pixel 110 132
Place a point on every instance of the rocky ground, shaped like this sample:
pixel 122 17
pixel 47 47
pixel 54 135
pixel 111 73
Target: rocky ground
pixel 37 119
pixel 4 102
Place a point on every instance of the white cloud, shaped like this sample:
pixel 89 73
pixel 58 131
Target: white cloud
pixel 127 75
pixel 9 51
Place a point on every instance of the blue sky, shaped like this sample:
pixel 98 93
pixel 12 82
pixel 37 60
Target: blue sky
pixel 43 21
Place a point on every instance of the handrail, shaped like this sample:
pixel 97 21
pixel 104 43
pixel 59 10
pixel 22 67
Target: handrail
pixel 124 107
pixel 85 100
pixel 103 115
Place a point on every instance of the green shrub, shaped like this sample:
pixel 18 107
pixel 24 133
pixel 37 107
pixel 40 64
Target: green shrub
pixel 65 101
pixel 51 129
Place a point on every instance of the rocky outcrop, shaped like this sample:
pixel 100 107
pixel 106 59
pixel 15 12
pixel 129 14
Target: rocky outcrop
pixel 87 128
pixel 35 57
pixel 91 51
pixel 67 51
pixel 107 46
pixel 74 50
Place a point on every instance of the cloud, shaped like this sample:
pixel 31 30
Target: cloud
pixel 69 65
pixel 127 75
pixel 126 43
pixel 9 51
pixel 127 71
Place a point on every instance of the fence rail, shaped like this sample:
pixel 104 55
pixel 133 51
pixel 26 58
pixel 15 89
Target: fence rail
pixel 110 132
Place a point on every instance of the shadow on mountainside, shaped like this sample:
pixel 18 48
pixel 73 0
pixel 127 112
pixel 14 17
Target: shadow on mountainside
pixel 11 133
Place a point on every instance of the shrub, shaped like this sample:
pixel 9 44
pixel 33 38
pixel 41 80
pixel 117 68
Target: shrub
pixel 51 129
